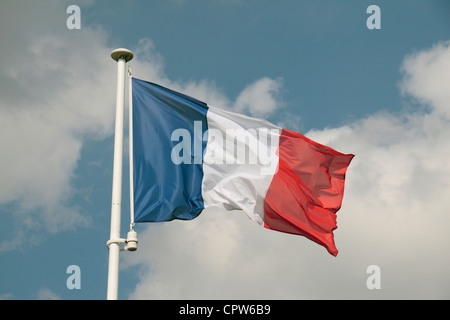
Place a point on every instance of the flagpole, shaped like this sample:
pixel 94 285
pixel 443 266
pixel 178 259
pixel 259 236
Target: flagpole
pixel 122 56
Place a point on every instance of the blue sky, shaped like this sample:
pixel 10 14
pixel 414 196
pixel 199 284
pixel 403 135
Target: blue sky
pixel 311 66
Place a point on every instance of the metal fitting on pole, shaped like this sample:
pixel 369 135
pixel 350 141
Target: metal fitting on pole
pixel 122 53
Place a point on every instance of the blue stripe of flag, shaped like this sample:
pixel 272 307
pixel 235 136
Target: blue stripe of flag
pixel 164 190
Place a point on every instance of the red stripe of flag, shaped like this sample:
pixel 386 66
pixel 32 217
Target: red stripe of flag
pixel 307 189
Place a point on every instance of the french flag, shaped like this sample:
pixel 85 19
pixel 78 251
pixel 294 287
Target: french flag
pixel 188 156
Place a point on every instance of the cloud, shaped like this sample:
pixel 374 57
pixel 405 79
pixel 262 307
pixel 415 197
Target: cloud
pixel 395 208
pixel 57 93
pixel 7 296
pixel 53 99
pixel 260 98
pixel 394 215
pixel 425 73
pixel 47 294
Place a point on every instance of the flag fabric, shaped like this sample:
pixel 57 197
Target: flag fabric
pixel 188 156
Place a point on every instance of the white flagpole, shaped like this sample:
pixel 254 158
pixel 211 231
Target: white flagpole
pixel 122 56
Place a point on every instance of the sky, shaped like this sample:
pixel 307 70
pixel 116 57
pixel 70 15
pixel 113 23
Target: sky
pixel 310 66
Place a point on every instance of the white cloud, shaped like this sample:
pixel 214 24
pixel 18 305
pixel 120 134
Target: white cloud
pixel 7 296
pixel 394 215
pixel 58 90
pixel 259 98
pixel 425 73
pixel 47 294
pixel 397 192
pixel 55 96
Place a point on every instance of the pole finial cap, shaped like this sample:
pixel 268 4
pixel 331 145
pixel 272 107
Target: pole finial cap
pixel 122 53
